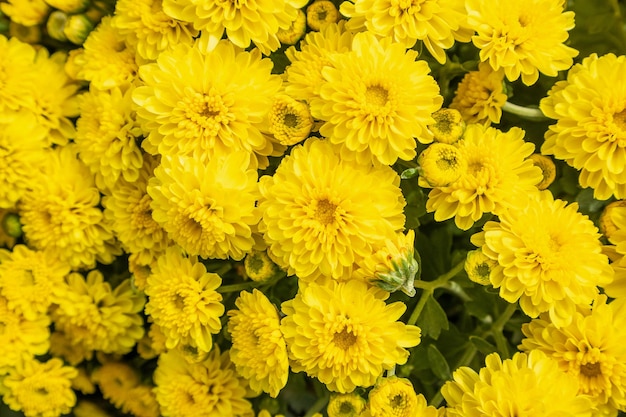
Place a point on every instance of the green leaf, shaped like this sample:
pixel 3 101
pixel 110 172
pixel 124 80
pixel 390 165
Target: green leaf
pixel 433 319
pixel 415 203
pixel 438 363
pixel 482 345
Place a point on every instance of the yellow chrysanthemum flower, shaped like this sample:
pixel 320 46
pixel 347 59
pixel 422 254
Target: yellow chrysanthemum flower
pixel 321 214
pixel 147 28
pixel 107 61
pixel 441 164
pixel 304 74
pixel 210 388
pixel 437 23
pixel 292 34
pixel 258 351
pixel 16 72
pixel 590 132
pixel 22 142
pixel 40 389
pixel 290 120
pixel 183 301
pixel 376 100
pixel 612 218
pixel 548 169
pixel 320 13
pixel 95 317
pixel 345 405
pixel 108 135
pixel 448 127
pixel 392 397
pixel 616 251
pixel 61 214
pixel 31 280
pixel 591 348
pixel 208 208
pixel 258 266
pixel 479 267
pixel 531 384
pixel 496 175
pixel 549 257
pixel 116 380
pixel 345 334
pixel 26 12
pixel 522 37
pixel 243 22
pixel 480 96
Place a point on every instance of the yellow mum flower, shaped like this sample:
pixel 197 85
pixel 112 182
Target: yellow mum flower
pixel 26 12
pixel 548 169
pixel 441 164
pixel 345 405
pixel 148 29
pixel 259 266
pixel 437 23
pixel 294 32
pixel 304 74
pixel 392 396
pixel 479 267
pixel 61 214
pixel 40 389
pixel 612 218
pixel 531 384
pixel 448 127
pixel 549 257
pixel 321 214
pixel 590 132
pixel 522 37
pixel 289 120
pixel 376 100
pixel 496 175
pixel 203 389
pixel 183 301
pixel 617 251
pixel 480 96
pixel 16 72
pixel 244 22
pixel 258 351
pixel 320 13
pixel 591 348
pixel 345 334
pixel 209 208
pixel 116 380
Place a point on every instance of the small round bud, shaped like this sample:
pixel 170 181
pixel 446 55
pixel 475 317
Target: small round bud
pixel 27 34
pixel 440 164
pixel 449 126
pixel 11 225
pixel 290 120
pixel 294 32
pixel 321 12
pixel 55 26
pixel 259 267
pixel 609 215
pixel 478 267
pixel 77 28
pixel 548 169
pixel 345 405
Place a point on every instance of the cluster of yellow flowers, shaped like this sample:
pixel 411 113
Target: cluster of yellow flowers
pixel 212 208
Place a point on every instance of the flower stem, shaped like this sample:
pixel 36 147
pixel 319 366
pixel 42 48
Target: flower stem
pixel 465 360
pixel 528 113
pixel 498 326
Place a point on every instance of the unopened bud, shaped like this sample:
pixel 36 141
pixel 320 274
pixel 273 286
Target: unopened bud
pixel 548 169
pixel 440 164
pixel 56 25
pixel 294 32
pixel 11 225
pixel 77 28
pixel 449 126
pixel 479 267
pixel 321 12
pixel 259 267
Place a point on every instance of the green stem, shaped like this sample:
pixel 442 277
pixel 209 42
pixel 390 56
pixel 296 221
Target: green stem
pixel 317 407
pixel 498 326
pixel 528 113
pixel 465 360
pixel 420 306
pixel 247 285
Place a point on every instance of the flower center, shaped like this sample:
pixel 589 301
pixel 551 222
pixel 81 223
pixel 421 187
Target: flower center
pixel 344 339
pixel 346 409
pixel 376 95
pixel 591 370
pixel 290 120
pixel 325 212
pixel 397 402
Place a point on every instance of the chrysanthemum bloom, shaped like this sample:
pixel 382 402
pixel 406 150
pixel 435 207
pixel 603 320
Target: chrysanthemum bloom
pixel 141 402
pixel 590 132
pixel 202 101
pixel 259 266
pixel 344 333
pixel 480 96
pixel 345 405
pixel 612 216
pixel 289 120
pixel 244 22
pixel 549 257
pixel 96 317
pixel 22 144
pixel 616 252
pixel 441 164
pixel 108 136
pixel 40 389
pixel 448 127
pixel 321 214
pixel 496 175
pixel 31 280
pixel 591 348
pixel 292 34
pixel 392 396
pixel 60 213
pixel 548 169
pixel 479 267
pixel 522 37
pixel 320 13
pixel 107 61
pixel 210 388
pixel 392 266
pixel 376 100
pixel 183 301
pixel 147 28
pixel 258 351
pixel 17 72
pixel 208 208
pixel 116 380
pixel 128 210
pixel 62 346
pixel 304 74
pixel 528 384
pixel 26 12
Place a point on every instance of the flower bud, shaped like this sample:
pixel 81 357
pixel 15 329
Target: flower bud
pixel 259 267
pixel 77 28
pixel 548 169
pixel 609 215
pixel 321 12
pixel 440 164
pixel 345 405
pixel 11 225
pixel 294 32
pixel 449 126
pixel 290 120
pixel 479 267
pixel 55 26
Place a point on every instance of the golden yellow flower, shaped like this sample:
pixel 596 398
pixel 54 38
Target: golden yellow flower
pixel 259 266
pixel 258 351
pixel 208 208
pixel 294 32
pixel 437 23
pixel 40 389
pixel 522 37
pixel 116 380
pixel 548 169
pixel 441 164
pixel 141 402
pixel 320 13
pixel 183 301
pixel 376 100
pixel 612 217
pixel 590 129
pixel 616 252
pixel 344 334
pixel 209 388
pixel 479 267
pixel 16 72
pixel 321 214
pixel 527 384
pixel 392 397
pixel 290 120
pixel 77 28
pixel 148 29
pixel 62 346
pixel 480 96
pixel 345 405
pixel 26 12
pixel 448 127
pixel 496 175
pixel 590 348
pixel 549 257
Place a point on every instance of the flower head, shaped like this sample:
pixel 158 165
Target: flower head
pixel 548 169
pixel 479 267
pixel 612 218
pixel 320 13
pixel 441 164
pixel 345 405
pixel 26 12
pixel 292 34
pixel 321 214
pixel 448 127
pixel 116 380
pixel 376 100
pixel 345 334
pixel 522 37
pixel 392 396
pixel 17 72
pixel 290 120
pixel 549 257
pixel 259 266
